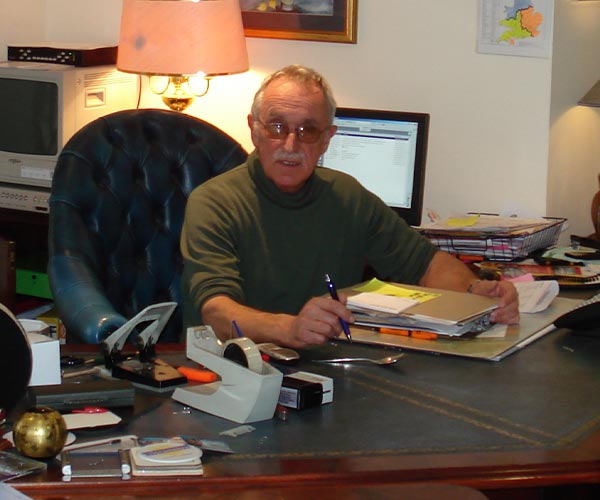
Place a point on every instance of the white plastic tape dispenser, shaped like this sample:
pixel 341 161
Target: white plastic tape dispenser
pixel 249 388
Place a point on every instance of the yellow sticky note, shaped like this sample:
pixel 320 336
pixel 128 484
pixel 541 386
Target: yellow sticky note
pixel 467 221
pixel 378 286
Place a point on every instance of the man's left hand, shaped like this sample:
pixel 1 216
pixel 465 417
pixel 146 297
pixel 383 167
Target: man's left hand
pixel 508 312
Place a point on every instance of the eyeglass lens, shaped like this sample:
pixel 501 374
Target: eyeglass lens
pixel 304 133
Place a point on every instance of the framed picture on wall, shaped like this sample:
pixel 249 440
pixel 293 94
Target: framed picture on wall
pixel 317 20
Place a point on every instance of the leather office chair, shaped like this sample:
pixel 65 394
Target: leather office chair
pixel 116 209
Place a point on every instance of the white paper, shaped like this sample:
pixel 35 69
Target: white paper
pixel 85 420
pixel 381 303
pixel 536 296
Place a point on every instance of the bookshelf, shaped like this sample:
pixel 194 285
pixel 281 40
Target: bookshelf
pixel 22 233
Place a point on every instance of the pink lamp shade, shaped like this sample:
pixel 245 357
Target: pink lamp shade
pixel 182 37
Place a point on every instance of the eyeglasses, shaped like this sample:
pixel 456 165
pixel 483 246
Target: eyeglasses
pixel 308 134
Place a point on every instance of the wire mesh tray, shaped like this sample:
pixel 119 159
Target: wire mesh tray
pixel 501 247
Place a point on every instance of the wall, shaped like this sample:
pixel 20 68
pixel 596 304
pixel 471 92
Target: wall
pixel 574 130
pixel 20 21
pixel 489 138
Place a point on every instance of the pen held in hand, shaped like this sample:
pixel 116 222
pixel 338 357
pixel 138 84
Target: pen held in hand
pixel 237 329
pixel 334 296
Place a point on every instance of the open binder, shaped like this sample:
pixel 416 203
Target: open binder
pixel 444 312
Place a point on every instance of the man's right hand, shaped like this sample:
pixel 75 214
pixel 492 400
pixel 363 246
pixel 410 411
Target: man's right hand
pixel 317 323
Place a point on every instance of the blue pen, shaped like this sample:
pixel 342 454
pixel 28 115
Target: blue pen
pixel 334 296
pixel 237 328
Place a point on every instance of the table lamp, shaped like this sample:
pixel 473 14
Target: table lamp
pixel 174 41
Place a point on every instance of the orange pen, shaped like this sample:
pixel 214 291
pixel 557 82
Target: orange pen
pixel 197 374
pixel 415 334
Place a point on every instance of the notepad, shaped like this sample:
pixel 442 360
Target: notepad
pixel 172 457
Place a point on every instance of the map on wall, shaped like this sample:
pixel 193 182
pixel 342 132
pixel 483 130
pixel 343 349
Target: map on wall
pixel 516 27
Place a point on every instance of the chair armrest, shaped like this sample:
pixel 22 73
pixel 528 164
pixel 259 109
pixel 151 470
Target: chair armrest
pixel 80 300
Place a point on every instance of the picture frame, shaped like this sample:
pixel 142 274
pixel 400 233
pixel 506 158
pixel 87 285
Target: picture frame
pixel 333 20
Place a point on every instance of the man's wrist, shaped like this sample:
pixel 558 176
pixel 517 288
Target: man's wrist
pixel 472 285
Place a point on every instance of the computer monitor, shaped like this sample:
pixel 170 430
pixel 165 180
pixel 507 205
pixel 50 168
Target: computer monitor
pixel 386 152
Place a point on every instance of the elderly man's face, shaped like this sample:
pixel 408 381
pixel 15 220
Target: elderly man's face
pixel 286 159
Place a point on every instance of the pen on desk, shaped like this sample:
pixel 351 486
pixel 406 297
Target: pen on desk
pixel 415 334
pixel 237 328
pixel 334 296
pixel 78 373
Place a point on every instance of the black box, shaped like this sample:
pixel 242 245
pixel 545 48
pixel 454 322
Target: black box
pixel 68 55
pixel 103 393
pixel 300 394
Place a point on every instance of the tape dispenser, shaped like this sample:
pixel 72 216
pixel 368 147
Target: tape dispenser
pixel 248 389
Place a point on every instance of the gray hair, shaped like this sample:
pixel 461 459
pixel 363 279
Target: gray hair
pixel 299 74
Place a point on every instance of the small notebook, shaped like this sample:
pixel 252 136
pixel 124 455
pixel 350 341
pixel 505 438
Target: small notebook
pixel 172 457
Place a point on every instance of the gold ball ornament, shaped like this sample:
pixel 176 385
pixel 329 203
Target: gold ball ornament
pixel 40 432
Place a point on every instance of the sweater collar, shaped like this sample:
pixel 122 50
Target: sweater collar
pixel 309 192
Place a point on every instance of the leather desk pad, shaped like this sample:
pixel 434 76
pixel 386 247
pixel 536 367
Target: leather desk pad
pixel 544 396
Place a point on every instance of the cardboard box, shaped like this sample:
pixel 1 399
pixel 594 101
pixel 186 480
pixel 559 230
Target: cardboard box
pixel 46 360
pixel 57 328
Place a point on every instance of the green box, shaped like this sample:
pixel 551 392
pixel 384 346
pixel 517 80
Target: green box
pixel 32 278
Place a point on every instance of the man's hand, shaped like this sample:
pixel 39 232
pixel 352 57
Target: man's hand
pixel 447 272
pixel 318 322
pixel 508 312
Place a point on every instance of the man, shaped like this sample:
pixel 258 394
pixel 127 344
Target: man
pixel 258 240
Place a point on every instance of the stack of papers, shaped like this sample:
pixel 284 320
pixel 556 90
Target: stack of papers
pixel 488 224
pixel 494 237
pixel 445 312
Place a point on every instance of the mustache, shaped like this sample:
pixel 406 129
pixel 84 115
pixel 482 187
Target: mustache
pixel 284 156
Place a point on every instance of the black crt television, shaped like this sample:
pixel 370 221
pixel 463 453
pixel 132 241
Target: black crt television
pixel 386 152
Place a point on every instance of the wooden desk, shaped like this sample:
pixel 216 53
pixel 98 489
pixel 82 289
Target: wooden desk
pixel 521 428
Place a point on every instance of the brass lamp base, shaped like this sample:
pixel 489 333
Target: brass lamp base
pixel 177 103
pixel 177 92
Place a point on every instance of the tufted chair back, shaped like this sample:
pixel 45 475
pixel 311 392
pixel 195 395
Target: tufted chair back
pixel 118 197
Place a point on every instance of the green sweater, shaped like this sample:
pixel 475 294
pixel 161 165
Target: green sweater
pixel 269 250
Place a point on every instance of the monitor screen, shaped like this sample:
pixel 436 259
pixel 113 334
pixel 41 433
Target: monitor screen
pixel 385 151
pixel 29 111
